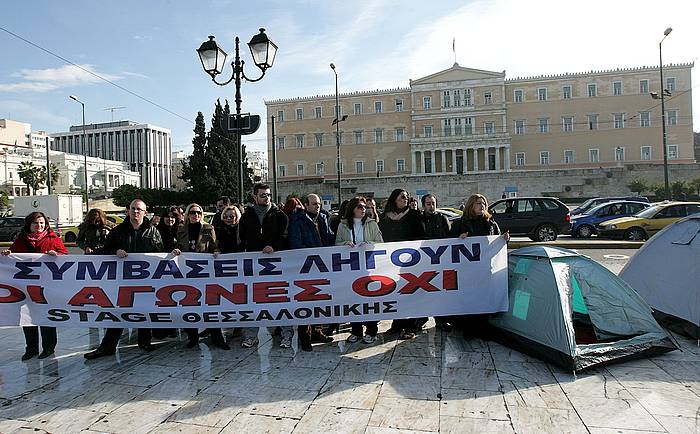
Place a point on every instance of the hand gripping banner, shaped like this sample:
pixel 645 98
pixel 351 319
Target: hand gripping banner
pixel 308 286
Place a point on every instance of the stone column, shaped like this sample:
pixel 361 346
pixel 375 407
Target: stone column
pixel 506 159
pixel 476 159
pixel 432 161
pixel 498 158
pixel 454 160
pixel 443 160
pixel 413 163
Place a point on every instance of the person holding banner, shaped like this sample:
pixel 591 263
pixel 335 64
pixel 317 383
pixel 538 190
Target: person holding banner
pixel 133 235
pixel 398 222
pixel 196 236
pixel 476 221
pixel 308 228
pixel 38 237
pixel 169 224
pixel 262 229
pixel 227 237
pixel 358 228
pixel 92 233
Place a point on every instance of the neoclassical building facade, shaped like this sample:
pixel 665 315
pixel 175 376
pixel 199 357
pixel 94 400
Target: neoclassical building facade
pixel 467 121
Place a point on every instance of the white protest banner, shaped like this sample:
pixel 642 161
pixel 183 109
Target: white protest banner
pixel 307 286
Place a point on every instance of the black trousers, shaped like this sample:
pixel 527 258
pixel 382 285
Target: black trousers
pixel 111 338
pixel 215 334
pixel 48 338
pixel 408 324
pixel 372 328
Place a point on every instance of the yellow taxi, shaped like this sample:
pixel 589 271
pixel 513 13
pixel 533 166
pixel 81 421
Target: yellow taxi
pixel 70 233
pixel 646 223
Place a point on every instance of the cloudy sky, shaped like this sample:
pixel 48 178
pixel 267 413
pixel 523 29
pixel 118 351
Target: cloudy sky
pixel 147 50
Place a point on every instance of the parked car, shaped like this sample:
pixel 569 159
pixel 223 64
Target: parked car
pixel 540 218
pixel 648 222
pixel 456 211
pixel 584 225
pixel 447 212
pixel 594 202
pixel 10 227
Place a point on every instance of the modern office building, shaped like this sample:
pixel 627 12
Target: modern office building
pixel 146 148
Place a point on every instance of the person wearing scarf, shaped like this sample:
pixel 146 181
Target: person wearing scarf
pixel 37 237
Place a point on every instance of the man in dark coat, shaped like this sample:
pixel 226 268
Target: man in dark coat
pixel 309 228
pixel 262 228
pixel 436 225
pixel 221 203
pixel 133 235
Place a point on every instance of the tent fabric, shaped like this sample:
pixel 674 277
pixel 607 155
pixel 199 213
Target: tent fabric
pixel 569 309
pixel 666 273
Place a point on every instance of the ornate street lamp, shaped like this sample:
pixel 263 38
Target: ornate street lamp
pixel 663 92
pixel 87 194
pixel 337 122
pixel 213 58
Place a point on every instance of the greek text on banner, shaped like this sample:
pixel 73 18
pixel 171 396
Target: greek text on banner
pixel 308 286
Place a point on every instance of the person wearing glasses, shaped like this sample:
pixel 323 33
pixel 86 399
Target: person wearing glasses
pixel 227 237
pixel 133 235
pixel 357 229
pixel 398 222
pixel 197 236
pixel 262 228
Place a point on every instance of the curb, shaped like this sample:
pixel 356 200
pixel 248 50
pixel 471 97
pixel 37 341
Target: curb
pixel 579 245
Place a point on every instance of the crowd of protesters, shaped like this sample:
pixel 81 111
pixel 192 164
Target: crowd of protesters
pixel 264 227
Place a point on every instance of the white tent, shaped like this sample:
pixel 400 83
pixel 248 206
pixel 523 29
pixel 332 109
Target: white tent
pixel 666 273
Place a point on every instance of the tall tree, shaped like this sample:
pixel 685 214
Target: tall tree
pixel 54 174
pixel 30 175
pixel 195 170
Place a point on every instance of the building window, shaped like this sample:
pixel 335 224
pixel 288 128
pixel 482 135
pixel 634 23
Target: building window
pixel 672 117
pixel 566 92
pixel 428 162
pixel 280 115
pixel 488 127
pixel 378 135
pixel 358 108
pixel 447 128
pixel 592 90
pixel 617 88
pixel 359 167
pixel 568 157
pixel 358 137
pixel 446 99
pixel 643 86
pixel 618 120
pixel 427 103
pixel 592 122
pixel 670 84
pixel 300 170
pixel 427 131
pixel 300 140
pixel 283 170
pixel 400 165
pixel 468 126
pixel 518 95
pixel 319 168
pixel 544 125
pixel 619 153
pixel 280 142
pixel 377 106
pixel 644 119
pixel 544 158
pixel 400 134
pixel 319 112
pixel 568 123
pixel 594 155
pixel 468 99
pixel 487 97
pixel 519 158
pixel 300 114
pixel 646 153
pixel 379 166
pixel 672 152
pixel 542 94
pixel 520 127
pixel 458 126
pixel 457 97
pixel 399 105
pixel 318 139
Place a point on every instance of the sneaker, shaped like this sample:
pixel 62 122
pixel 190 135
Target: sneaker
pixel 286 342
pixel 249 342
pixel 369 339
pixel 352 339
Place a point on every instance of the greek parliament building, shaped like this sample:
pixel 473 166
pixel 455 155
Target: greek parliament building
pixel 145 147
pixel 469 121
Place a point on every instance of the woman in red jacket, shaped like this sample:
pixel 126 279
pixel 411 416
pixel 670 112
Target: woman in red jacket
pixel 37 237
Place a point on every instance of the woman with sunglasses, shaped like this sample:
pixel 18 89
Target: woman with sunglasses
pixel 227 238
pixel 196 236
pixel 398 222
pixel 37 237
pixel 358 229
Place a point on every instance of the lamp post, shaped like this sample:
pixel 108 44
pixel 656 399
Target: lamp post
pixel 337 122
pixel 87 206
pixel 263 51
pixel 274 162
pixel 663 93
